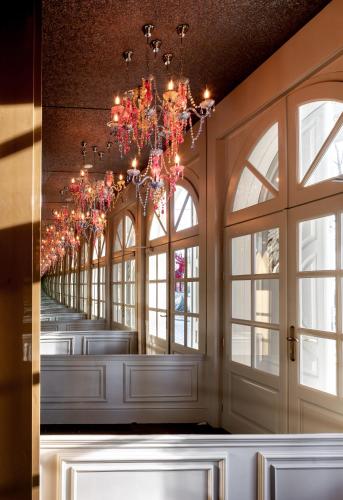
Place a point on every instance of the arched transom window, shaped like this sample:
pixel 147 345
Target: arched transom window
pixel 259 179
pixel 320 144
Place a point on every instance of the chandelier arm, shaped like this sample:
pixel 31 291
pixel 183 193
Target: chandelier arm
pixel 196 113
pixel 139 182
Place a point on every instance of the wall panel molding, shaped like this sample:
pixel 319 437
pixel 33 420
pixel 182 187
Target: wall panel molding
pixel 289 464
pixel 222 467
pixel 99 389
pixel 160 382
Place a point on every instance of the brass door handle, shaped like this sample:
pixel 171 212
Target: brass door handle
pixel 293 340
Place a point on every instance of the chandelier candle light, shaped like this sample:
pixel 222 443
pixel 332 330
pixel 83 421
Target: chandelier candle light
pixel 144 119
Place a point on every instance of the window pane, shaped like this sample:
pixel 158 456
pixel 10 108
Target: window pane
pixel 267 251
pixel 193 262
pixel 267 350
pixel 152 323
pixel 119 237
pixel 241 344
pixel 185 215
pixel 180 196
pixel 162 295
pixel 158 226
pixel 179 329
pixel 130 235
pixel 130 270
pixel 331 164
pixel 152 267
pixel 179 297
pixel 116 289
pixel 316 120
pixel 267 301
pixel 317 303
pixel 241 255
pixel 317 244
pixel 130 294
pixel 152 295
pixel 102 243
pixel 193 297
pixel 193 333
pixel 129 317
pixel 264 156
pixel 250 191
pixel 162 266
pixel 318 363
pixel 116 272
pixel 241 299
pixel 162 325
pixel 179 264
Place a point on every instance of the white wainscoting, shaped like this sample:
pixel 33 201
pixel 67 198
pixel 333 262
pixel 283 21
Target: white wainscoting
pixel 62 316
pixel 131 388
pixel 295 467
pixel 69 325
pixel 99 342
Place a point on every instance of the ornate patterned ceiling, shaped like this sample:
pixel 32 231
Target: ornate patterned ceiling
pixel 83 69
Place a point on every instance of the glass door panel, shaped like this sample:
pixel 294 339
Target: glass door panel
pixel 157 302
pixel 315 312
pixel 255 323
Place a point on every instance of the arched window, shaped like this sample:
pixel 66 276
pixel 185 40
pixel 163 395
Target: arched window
pixel 124 273
pixel 98 309
pixel 315 142
pixel 173 276
pixel 320 141
pixel 259 178
pixel 185 214
pixel 159 224
pixel 66 277
pixel 84 270
pixel 60 281
pixel 72 277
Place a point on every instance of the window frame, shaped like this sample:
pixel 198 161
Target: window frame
pixel 298 194
pixel 239 145
pixel 84 277
pixel 172 241
pixel 96 264
pixel 120 257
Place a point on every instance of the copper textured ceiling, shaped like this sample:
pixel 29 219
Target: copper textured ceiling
pixel 83 69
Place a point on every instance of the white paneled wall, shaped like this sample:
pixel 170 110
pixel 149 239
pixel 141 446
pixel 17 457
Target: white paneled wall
pixel 102 389
pixel 100 342
pixel 192 467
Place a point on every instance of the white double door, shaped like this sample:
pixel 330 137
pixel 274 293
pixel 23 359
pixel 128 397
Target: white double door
pixel 283 321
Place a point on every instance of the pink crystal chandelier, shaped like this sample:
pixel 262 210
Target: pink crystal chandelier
pixel 142 118
pixel 97 196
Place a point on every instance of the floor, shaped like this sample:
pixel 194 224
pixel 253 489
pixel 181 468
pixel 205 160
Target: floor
pixel 133 428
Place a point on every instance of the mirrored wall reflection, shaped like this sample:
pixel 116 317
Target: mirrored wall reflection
pixel 157 295
pixel 186 297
